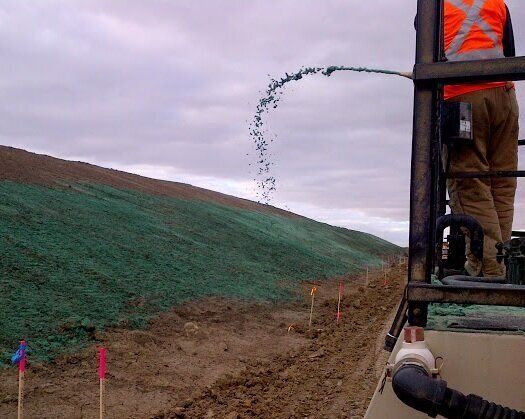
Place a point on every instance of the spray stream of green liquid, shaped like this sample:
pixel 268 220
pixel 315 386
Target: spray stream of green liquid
pixel 266 182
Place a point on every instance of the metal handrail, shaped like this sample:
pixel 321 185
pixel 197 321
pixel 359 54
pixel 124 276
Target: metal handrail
pixel 501 295
pixel 461 72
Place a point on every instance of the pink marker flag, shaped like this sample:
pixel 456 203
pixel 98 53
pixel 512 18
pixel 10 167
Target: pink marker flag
pixel 102 378
pixel 102 363
pixel 22 365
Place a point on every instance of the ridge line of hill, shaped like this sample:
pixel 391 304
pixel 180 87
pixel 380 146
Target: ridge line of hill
pixel 23 166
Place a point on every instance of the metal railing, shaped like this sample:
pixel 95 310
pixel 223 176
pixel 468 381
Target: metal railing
pixel 426 197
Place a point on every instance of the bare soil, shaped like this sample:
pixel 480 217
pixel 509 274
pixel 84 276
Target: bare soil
pixel 25 167
pixel 219 358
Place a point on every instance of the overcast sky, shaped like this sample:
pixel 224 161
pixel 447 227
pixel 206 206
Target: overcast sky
pixel 167 89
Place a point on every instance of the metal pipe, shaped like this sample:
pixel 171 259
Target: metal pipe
pixel 421 199
pixel 490 294
pixel 459 72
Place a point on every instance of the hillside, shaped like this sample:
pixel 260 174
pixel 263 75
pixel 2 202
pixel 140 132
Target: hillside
pixel 24 167
pixel 85 248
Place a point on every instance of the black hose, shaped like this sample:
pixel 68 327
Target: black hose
pixel 475 282
pixel 414 387
pixel 398 324
pixel 462 220
pixel 456 279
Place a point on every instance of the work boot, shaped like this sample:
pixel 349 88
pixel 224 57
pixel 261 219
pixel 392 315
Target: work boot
pixel 491 267
pixel 473 266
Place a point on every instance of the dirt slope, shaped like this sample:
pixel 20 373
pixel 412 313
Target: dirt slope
pixel 219 358
pixel 80 256
pixel 332 376
pixel 22 166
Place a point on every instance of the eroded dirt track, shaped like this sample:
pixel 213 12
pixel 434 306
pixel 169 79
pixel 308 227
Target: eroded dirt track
pixel 332 376
pixel 218 358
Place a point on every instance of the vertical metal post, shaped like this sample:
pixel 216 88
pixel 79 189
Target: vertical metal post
pixel 422 201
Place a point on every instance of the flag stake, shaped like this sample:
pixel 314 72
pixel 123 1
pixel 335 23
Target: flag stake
pixel 19 357
pixel 21 375
pixel 101 399
pixel 312 293
pixel 339 302
pixel 102 377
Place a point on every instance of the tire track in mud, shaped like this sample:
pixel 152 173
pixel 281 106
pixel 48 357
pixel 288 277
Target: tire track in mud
pixel 333 376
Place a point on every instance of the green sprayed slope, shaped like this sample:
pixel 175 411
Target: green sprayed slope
pixel 84 258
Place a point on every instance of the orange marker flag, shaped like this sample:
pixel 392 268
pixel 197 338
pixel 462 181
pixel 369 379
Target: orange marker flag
pixel 312 293
pixel 341 289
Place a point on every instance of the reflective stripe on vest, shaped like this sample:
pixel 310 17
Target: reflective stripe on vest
pixel 473 18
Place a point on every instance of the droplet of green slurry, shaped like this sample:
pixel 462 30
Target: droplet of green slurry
pixel 266 183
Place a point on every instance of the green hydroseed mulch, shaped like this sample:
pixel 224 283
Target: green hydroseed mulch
pixel 474 317
pixel 84 258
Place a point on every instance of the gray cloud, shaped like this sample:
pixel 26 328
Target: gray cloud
pixel 175 84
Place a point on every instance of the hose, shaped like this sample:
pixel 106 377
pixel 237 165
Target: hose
pixel 397 324
pixel 414 387
pixel 467 221
pixel 475 282
pixel 461 279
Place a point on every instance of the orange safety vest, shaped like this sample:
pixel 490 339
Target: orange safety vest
pixel 473 30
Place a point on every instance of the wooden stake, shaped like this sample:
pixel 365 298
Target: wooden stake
pixel 366 282
pixel 101 399
pixel 21 375
pixel 312 308
pixel 339 301
pixel 21 352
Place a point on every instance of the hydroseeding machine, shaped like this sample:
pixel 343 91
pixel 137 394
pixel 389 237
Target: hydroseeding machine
pixel 471 362
pixel 462 348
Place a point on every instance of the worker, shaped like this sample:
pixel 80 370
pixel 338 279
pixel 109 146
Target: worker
pixel 475 30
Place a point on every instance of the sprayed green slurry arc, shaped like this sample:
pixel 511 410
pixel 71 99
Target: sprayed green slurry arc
pixel 266 182
pixel 84 258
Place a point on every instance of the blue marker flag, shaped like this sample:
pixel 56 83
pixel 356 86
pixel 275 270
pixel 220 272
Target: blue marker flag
pixel 20 353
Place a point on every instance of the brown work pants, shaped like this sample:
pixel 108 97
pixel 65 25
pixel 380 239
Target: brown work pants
pixel 495 147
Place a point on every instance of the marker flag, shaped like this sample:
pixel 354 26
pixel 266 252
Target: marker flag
pixel 102 363
pixel 341 289
pixel 312 293
pixel 19 357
